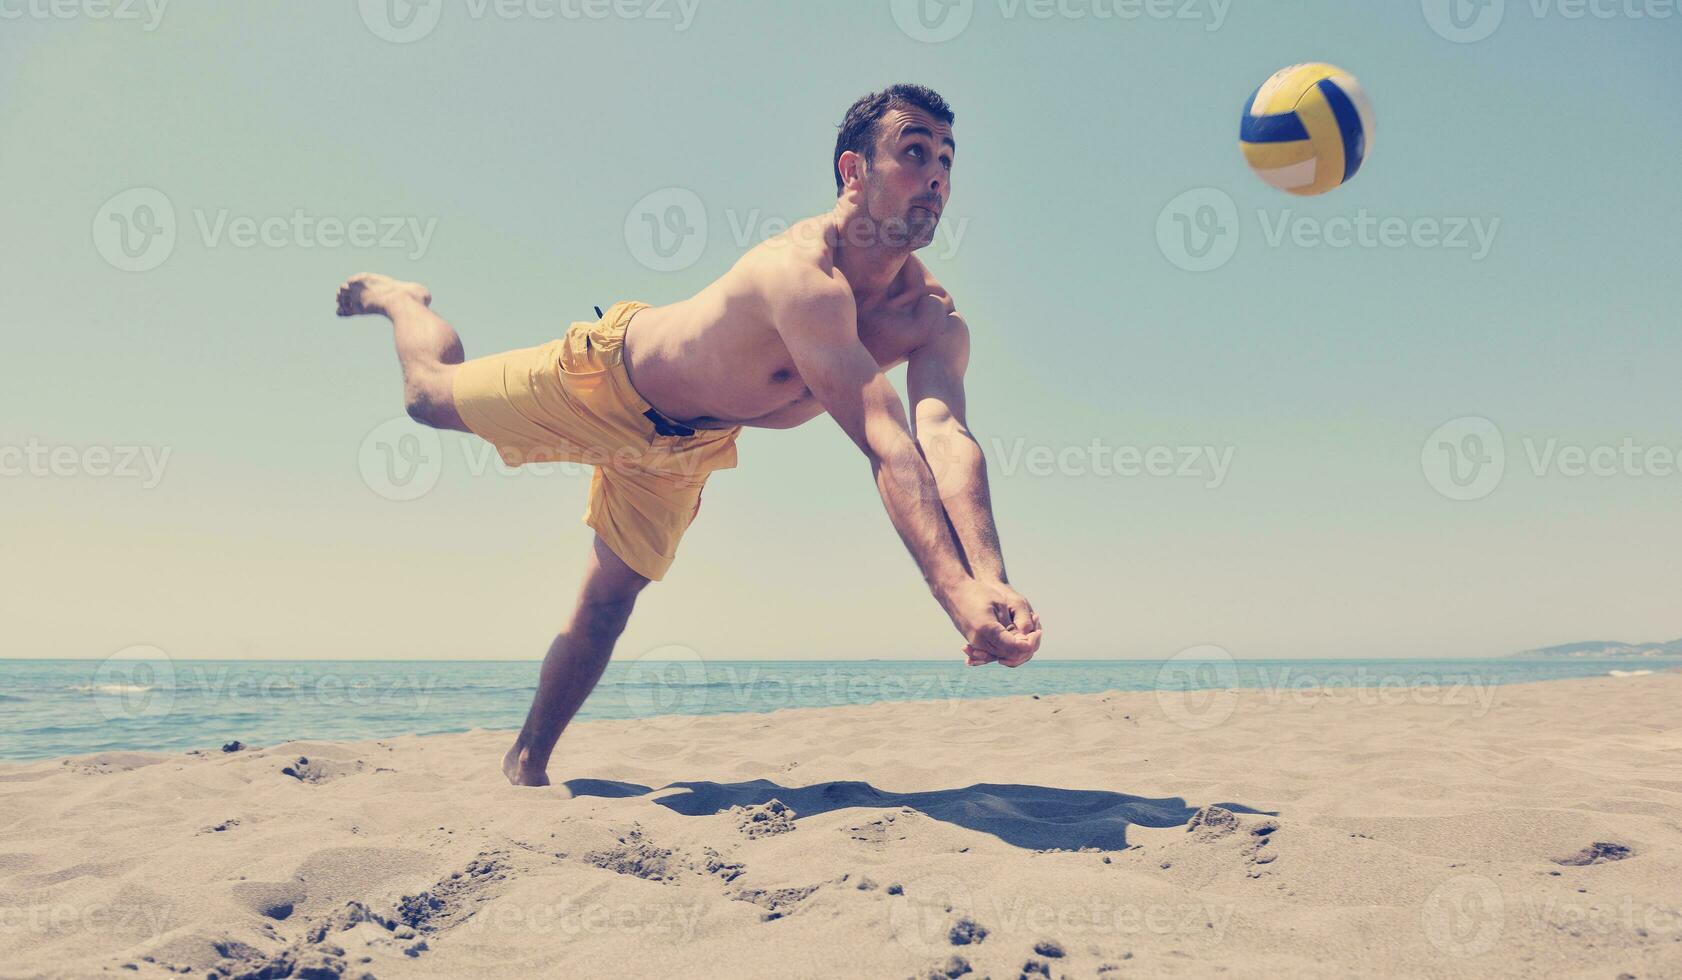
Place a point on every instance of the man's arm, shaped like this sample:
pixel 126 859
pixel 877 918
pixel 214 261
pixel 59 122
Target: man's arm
pixel 818 321
pixel 935 376
pixel 935 379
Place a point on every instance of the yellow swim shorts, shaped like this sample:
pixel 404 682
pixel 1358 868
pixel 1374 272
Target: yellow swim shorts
pixel 571 400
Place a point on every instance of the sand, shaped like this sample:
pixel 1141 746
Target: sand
pixel 1523 830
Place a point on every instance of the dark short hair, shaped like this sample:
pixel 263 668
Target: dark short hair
pixel 859 130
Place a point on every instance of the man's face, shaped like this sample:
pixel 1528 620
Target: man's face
pixel 908 183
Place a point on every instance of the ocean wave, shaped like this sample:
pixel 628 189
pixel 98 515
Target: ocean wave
pixel 1629 673
pixel 111 688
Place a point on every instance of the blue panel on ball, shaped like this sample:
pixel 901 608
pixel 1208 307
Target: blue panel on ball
pixel 1284 127
pixel 1349 123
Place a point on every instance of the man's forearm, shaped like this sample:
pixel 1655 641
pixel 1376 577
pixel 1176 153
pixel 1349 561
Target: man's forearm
pixel 960 473
pixel 912 499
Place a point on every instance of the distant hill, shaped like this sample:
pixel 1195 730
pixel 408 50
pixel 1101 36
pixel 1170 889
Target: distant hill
pixel 1605 648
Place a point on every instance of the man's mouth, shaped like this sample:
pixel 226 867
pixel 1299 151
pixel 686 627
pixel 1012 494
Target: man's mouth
pixel 925 207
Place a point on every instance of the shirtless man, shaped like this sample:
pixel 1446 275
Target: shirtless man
pixel 804 323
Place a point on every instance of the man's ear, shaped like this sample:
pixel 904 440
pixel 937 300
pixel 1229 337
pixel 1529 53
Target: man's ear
pixel 851 166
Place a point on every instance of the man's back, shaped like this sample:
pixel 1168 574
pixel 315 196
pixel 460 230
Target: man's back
pixel 718 360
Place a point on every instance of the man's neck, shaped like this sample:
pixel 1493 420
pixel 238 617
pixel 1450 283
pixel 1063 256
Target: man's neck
pixel 870 265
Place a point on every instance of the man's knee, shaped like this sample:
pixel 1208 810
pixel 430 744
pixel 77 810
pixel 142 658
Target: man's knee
pixel 429 398
pixel 603 618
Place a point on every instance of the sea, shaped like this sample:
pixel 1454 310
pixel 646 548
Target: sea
pixel 144 701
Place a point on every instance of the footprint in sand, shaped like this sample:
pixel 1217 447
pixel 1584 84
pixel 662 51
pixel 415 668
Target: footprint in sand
pixel 766 820
pixel 270 899
pixel 1600 852
pixel 951 968
pixel 640 857
pixel 320 770
pixel 1213 823
pixel 777 902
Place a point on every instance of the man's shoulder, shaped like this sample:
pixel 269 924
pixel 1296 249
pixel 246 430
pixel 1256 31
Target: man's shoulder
pixel 797 264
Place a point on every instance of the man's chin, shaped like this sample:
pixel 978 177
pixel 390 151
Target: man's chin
pixel 920 232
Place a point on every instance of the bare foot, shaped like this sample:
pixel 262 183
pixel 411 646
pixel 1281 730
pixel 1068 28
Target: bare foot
pixel 513 766
pixel 370 292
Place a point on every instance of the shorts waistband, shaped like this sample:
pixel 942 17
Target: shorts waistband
pixel 611 329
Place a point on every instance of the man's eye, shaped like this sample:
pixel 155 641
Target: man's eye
pixel 916 151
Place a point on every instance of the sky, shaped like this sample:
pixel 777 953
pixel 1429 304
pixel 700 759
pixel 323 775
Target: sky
pixel 1432 413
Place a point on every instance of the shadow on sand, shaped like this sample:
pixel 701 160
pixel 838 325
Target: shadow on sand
pixel 1037 817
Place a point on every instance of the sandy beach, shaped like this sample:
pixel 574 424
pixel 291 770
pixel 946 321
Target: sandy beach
pixel 1506 831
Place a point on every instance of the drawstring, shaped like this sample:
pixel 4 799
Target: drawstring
pixel 598 311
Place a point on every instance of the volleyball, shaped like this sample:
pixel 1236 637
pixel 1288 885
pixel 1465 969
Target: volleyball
pixel 1307 129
